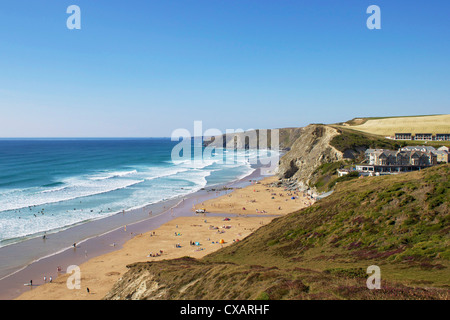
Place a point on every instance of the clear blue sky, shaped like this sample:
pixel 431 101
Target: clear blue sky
pixel 145 68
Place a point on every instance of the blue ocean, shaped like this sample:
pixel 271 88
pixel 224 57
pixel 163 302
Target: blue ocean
pixel 47 185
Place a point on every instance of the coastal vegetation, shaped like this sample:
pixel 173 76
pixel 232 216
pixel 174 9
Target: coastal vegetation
pixel 352 140
pixel 399 223
pixel 352 144
pixel 314 162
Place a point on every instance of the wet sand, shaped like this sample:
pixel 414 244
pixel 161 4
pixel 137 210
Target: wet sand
pixel 178 226
pixel 100 273
pixel 96 239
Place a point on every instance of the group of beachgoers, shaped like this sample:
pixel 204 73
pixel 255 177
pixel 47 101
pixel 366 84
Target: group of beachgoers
pixel 41 211
pixel 294 195
pixel 75 245
pixel 196 243
pixel 31 209
pixel 287 194
pixel 154 255
pixel 49 280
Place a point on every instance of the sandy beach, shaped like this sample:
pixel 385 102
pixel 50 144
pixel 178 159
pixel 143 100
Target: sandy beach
pixel 261 197
pixel 194 236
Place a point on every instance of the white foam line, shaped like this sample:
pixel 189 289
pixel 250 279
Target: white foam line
pixel 36 260
pixel 87 239
pixel 113 175
pixel 137 208
pixel 36 235
pixel 74 197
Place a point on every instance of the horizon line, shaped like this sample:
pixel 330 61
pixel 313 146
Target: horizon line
pixel 15 138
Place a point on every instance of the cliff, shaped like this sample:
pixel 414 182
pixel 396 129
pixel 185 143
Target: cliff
pixel 399 223
pixel 308 152
pixel 321 149
pixel 313 153
pixel 253 139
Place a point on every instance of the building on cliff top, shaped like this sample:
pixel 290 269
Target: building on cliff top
pixel 382 161
pixel 422 136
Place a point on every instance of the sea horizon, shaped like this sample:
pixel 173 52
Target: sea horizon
pixel 50 184
pixel 81 138
pixel 72 190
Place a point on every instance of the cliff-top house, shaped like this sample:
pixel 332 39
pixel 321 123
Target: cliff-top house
pixel 382 161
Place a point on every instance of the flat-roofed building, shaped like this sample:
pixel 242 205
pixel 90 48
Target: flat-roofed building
pixel 403 136
pixel 342 172
pixel 423 136
pixel 442 137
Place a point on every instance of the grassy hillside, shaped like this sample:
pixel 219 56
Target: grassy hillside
pixel 391 125
pixel 353 143
pixel 354 140
pixel 400 220
pixel 400 223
